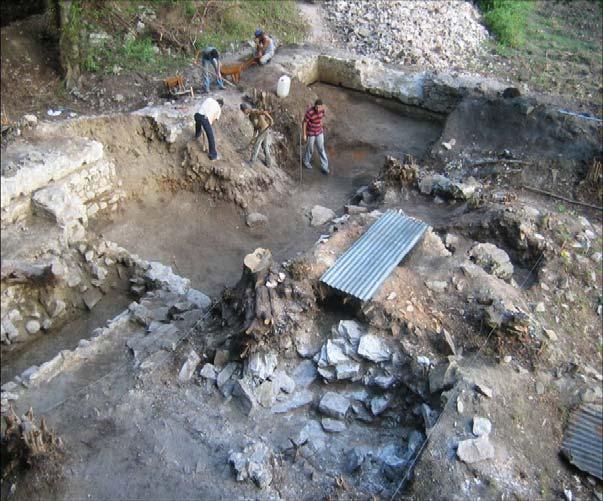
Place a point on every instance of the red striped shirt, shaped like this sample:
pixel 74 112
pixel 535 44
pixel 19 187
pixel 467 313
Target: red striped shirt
pixel 313 121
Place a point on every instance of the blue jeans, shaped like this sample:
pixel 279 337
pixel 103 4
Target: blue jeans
pixel 320 144
pixel 201 122
pixel 205 64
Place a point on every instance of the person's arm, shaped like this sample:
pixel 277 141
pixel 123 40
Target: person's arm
pixel 269 118
pixel 304 129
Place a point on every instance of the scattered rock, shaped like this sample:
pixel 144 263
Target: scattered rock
pixel 225 374
pixel 429 416
pixel 91 297
pixel 283 382
pixel 313 435
pixel 30 120
pixel 379 404
pixel 334 353
pixel 334 405
pixel 484 390
pixel 321 215
pixel 351 330
pixel 188 368
pixel 305 374
pixel 481 426
pixel 475 450
pixel 492 259
pixel 10 386
pixel 256 219
pixel 298 399
pixel 307 343
pixel 32 326
pixel 333 425
pixel 200 300
pixel 442 377
pixel 221 358
pixel 550 334
pixel 242 390
pixel 253 463
pixel 208 371
pixel 436 285
pixel 451 242
pixel 355 209
pixel 354 459
pixel 265 393
pixel 373 348
pixel 261 365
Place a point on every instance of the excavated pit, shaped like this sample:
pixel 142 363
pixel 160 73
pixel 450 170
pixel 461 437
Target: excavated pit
pixel 211 238
pixel 110 384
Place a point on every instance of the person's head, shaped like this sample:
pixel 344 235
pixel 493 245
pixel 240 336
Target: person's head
pixel 220 101
pixel 318 105
pixel 245 108
pixel 214 54
pixel 259 33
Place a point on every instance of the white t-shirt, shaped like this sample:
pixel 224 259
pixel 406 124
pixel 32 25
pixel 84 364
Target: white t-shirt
pixel 211 109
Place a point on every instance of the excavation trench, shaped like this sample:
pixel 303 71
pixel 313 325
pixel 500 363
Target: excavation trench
pixel 171 218
pixel 204 238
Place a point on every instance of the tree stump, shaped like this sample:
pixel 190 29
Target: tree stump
pixel 253 299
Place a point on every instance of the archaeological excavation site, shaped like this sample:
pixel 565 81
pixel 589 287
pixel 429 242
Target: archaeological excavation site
pixel 424 322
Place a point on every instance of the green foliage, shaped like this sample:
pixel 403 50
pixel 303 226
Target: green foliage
pixel 189 9
pixel 135 51
pixel 507 19
pixel 236 21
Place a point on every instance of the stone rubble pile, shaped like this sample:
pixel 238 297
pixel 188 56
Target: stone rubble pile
pixel 427 33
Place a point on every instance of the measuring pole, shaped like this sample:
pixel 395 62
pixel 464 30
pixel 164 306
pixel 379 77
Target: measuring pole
pixel 300 152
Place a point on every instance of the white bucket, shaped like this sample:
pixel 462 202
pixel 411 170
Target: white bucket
pixel 283 85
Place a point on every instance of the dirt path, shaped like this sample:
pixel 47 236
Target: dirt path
pixel 318 32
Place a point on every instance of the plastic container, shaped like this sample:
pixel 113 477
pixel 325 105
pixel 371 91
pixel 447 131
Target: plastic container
pixel 283 86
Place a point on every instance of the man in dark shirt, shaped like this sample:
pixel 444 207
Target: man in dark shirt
pixel 211 56
pixel 313 133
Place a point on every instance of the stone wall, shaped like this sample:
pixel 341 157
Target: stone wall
pixel 437 92
pixel 63 178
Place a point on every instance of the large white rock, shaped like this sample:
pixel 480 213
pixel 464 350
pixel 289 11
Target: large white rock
pixel 492 259
pixel 334 405
pixel 57 202
pixel 481 426
pixel 321 215
pixel 475 450
pixel 189 366
pixel 373 348
pixel 261 365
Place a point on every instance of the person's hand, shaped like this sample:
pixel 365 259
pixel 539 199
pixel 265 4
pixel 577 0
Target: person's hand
pixel 305 138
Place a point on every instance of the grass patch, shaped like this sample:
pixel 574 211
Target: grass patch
pixel 507 19
pixel 196 24
pixel 236 21
pixel 557 48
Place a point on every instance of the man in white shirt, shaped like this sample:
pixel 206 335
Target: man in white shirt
pixel 209 112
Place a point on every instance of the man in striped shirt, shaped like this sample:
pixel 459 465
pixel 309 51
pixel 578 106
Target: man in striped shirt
pixel 313 133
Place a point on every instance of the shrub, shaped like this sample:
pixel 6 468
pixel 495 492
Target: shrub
pixel 507 19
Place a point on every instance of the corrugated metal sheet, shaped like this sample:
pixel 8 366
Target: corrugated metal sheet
pixel 367 263
pixel 583 440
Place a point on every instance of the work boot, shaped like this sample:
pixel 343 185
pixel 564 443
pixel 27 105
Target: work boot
pixel 206 83
pixel 221 84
